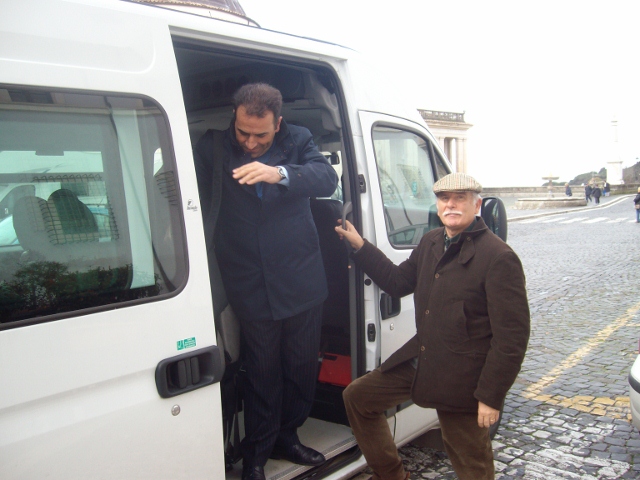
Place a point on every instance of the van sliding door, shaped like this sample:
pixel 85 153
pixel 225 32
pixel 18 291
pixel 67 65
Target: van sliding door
pixel 106 326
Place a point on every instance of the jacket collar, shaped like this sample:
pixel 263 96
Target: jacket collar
pixel 464 248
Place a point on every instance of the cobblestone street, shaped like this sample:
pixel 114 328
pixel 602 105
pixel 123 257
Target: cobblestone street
pixel 567 416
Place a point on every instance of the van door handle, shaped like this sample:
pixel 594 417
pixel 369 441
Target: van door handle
pixel 389 306
pixel 347 208
pixel 189 371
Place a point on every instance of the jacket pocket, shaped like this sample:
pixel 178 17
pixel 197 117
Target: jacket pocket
pixel 451 325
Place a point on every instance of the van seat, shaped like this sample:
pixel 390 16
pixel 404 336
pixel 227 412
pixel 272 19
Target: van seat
pixel 335 314
pixel 31 218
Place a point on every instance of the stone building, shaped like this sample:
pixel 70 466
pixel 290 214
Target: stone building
pixel 450 130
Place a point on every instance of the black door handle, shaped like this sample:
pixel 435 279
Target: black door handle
pixel 389 306
pixel 189 371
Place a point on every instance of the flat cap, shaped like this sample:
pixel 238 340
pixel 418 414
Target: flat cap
pixel 457 182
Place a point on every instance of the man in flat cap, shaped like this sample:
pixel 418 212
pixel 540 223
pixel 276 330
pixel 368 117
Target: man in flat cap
pixel 472 319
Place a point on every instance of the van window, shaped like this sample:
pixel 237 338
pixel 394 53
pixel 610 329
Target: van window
pixel 441 168
pixel 406 181
pixel 89 206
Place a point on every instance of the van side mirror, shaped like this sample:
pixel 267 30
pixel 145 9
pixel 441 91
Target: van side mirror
pixel 494 215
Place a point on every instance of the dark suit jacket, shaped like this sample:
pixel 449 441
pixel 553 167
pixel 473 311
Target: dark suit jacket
pixel 267 249
pixel 472 317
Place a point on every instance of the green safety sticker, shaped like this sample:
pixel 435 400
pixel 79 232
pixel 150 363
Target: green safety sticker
pixel 187 343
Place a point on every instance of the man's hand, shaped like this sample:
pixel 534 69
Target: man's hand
pixel 255 172
pixel 351 234
pixel 487 416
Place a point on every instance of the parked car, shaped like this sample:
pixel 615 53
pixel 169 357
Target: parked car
pixel 634 391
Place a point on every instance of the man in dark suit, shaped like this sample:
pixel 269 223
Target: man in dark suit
pixel 266 244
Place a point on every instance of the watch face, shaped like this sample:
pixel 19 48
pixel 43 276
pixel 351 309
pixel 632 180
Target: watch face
pixel 281 172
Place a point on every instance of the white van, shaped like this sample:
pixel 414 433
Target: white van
pixel 110 363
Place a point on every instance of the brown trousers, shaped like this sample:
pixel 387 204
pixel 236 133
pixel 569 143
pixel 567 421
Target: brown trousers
pixel 366 399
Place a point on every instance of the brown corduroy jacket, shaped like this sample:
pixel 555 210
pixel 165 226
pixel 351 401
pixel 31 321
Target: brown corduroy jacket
pixel 472 317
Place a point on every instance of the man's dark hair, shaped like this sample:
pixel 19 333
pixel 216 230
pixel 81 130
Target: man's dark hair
pixel 258 99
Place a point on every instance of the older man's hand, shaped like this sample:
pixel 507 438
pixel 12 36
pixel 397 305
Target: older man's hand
pixel 351 234
pixel 487 416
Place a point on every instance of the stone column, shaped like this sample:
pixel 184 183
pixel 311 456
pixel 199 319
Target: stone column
pixel 447 148
pixel 614 173
pixel 614 166
pixel 461 155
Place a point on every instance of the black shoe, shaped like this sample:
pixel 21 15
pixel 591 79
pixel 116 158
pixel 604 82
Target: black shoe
pixel 253 473
pixel 298 454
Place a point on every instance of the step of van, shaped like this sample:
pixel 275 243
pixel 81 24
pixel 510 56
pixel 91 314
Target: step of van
pixel 328 438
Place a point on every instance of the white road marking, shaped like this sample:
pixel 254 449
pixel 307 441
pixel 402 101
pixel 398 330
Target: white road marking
pixel 596 220
pixel 618 220
pixel 554 219
pixel 554 464
pixel 573 220
pixel 533 220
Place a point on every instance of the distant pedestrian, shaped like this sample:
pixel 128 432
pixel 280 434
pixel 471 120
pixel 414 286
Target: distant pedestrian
pixel 587 192
pixel 606 189
pixel 597 193
pixel 567 190
pixel 637 203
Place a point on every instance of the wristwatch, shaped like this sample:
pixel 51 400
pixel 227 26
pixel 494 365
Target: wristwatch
pixel 282 172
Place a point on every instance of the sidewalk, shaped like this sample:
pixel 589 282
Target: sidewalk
pixel 513 214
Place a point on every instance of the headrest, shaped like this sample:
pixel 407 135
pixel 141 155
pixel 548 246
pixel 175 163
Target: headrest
pixel 71 220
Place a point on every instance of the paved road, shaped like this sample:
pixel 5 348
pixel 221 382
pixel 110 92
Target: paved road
pixel 567 416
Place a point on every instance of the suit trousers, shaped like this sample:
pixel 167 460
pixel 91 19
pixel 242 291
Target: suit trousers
pixel 366 399
pixel 281 362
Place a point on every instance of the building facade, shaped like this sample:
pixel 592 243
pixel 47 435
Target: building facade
pixel 450 130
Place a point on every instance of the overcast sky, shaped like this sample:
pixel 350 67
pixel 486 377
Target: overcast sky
pixel 540 81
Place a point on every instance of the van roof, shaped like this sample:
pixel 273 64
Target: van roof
pixel 205 7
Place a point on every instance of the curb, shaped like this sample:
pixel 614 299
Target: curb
pixel 578 209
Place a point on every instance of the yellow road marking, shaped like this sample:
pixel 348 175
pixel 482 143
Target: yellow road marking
pixel 600 406
pixel 617 407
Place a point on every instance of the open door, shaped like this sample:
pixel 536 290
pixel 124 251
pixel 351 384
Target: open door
pixel 404 209
pixel 402 162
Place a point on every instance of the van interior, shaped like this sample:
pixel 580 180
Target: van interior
pixel 311 98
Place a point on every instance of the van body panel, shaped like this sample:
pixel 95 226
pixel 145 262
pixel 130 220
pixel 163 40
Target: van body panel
pixel 413 421
pixel 35 41
pixel 94 397
pixel 115 431
pixel 371 295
